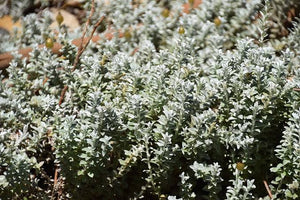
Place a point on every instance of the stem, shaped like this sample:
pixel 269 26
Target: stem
pixel 268 189
pixel 149 164
pixel 62 95
pixel 82 46
pixel 54 184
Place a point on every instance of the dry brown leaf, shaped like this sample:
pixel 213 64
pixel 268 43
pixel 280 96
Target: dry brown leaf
pixel 7 23
pixel 188 6
pixel 73 3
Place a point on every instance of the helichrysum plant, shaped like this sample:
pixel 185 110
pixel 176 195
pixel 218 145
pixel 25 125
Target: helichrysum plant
pixel 198 105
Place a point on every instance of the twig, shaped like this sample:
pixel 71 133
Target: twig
pixel 55 183
pixel 55 176
pixel 268 189
pixel 88 21
pixel 297 89
pixel 80 51
pixel 62 95
pixel 45 80
pixel 82 46
pixel 134 51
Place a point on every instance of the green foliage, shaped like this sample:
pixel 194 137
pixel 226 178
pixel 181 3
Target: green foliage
pixel 288 169
pixel 167 122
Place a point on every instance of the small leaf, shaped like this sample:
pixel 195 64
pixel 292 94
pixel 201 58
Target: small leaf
pixel 90 174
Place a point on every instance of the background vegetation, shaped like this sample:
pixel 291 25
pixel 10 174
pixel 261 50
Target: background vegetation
pixel 165 102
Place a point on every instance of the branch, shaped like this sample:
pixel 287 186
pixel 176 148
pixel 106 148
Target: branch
pixel 83 47
pixel 88 21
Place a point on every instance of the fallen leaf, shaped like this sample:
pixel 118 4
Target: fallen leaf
pixel 187 6
pixel 72 3
pixel 7 23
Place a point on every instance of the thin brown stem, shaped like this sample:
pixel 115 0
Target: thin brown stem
pixel 83 47
pixel 55 183
pixel 62 95
pixel 55 176
pixel 88 21
pixel 297 89
pixel 268 189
